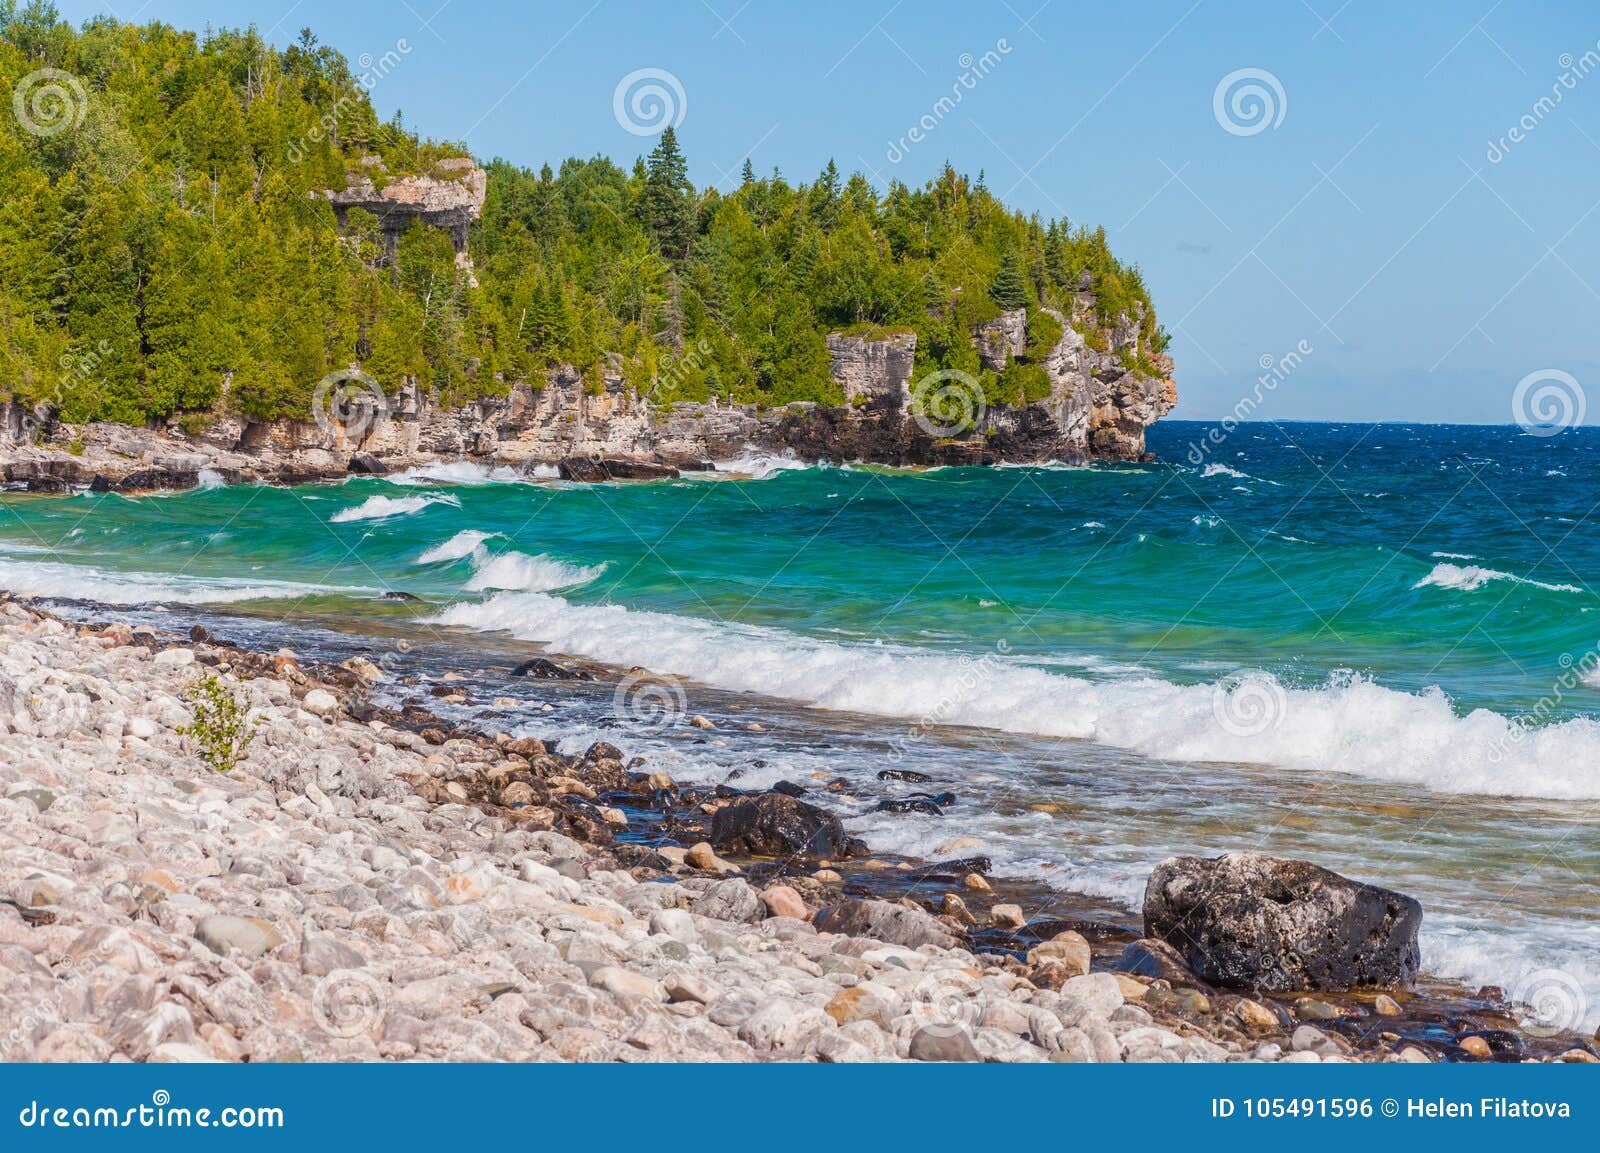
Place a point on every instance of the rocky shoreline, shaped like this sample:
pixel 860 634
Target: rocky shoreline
pixel 374 883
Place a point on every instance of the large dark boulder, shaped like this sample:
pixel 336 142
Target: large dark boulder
pixel 777 825
pixel 1251 921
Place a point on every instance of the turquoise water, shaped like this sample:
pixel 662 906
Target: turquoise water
pixel 1367 608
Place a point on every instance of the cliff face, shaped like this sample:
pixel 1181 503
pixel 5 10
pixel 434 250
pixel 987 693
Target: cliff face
pixel 451 201
pixel 1096 409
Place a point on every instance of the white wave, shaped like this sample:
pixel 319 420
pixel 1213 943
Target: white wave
pixel 1092 524
pixel 1468 577
pixel 1558 959
pixel 379 507
pixel 759 466
pixel 546 472
pixel 1350 725
pixel 459 547
pixel 517 571
pixel 1206 519
pixel 210 478
pixel 455 472
pixel 1223 470
pixel 1452 556
pixel 71 581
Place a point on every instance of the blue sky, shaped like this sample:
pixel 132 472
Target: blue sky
pixel 1365 218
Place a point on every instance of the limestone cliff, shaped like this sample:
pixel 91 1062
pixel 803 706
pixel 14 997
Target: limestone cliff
pixel 1097 408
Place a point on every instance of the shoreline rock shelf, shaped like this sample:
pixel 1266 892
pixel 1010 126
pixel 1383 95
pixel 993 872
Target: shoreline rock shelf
pixel 358 890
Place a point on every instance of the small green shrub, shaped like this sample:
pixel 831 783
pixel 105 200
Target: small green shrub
pixel 222 725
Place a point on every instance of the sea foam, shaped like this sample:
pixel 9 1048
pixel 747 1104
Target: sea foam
pixel 1469 577
pixel 1347 725
pixel 381 507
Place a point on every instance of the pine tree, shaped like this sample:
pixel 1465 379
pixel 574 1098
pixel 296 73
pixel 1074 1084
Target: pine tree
pixel 668 198
pixel 1009 289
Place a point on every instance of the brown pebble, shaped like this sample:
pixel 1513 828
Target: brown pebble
pixel 1476 1047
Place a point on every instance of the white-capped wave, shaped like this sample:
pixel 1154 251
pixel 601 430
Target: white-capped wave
pixel 210 478
pixel 520 572
pixel 455 472
pixel 79 582
pixel 1348 725
pixel 1468 577
pixel 459 547
pixel 1215 469
pixel 759 466
pixel 380 507
pixel 1452 556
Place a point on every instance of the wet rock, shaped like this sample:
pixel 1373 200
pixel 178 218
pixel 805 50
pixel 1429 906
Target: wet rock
pixel 883 921
pixel 541 668
pixel 910 805
pixel 1253 1015
pixel 401 596
pixel 1007 916
pixel 773 825
pixel 1248 920
pixel 1155 959
pixel 904 775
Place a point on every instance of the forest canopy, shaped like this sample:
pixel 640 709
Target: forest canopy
pixel 163 241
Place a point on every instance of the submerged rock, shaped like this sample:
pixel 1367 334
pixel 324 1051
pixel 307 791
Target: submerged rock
pixel 547 670
pixel 1253 921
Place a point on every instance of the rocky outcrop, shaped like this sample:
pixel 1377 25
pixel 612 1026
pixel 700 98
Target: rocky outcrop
pixel 1003 339
pixel 1097 408
pixel 1253 921
pixel 451 200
